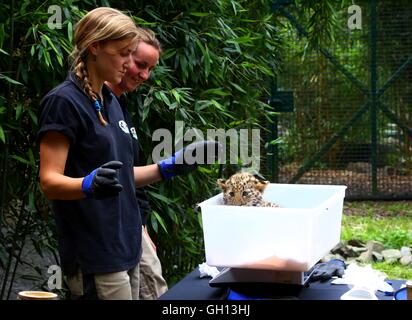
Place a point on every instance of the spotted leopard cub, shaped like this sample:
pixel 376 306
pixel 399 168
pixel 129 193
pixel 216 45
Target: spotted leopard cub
pixel 244 189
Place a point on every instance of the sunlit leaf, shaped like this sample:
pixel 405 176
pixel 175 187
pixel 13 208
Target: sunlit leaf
pixel 161 197
pixel 2 136
pixel 199 14
pixel 8 79
pixel 19 110
pixel 20 159
pixel 33 116
pixel 160 220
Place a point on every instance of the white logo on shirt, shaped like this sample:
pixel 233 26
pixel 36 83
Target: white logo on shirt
pixel 133 131
pixel 123 126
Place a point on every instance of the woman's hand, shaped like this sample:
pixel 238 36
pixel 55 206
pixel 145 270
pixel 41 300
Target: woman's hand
pixel 102 182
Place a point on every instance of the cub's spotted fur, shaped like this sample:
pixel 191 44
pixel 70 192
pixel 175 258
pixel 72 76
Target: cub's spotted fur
pixel 244 189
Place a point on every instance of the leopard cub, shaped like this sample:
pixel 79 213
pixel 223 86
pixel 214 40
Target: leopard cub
pixel 244 189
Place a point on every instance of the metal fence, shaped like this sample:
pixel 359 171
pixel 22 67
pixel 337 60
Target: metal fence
pixel 352 105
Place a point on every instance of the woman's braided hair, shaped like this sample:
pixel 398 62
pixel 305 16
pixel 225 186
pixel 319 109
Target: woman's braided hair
pixel 100 24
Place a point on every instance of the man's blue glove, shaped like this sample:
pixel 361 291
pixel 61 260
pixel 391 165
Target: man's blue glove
pixel 102 182
pixel 186 159
pixel 326 270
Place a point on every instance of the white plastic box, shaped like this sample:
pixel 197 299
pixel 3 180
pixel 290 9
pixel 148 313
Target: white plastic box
pixel 291 238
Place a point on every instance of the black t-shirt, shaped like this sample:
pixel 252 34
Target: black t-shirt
pixel 95 235
pixel 139 160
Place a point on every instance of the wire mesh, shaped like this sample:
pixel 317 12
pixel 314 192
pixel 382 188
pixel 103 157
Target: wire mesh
pixel 330 131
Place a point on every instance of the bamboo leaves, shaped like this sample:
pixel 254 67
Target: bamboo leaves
pixel 8 79
pixel 2 135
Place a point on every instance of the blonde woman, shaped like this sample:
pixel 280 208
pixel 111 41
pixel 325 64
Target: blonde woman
pixel 87 163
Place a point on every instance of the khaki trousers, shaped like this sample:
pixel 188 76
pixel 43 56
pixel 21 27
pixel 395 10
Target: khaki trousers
pixel 122 285
pixel 152 283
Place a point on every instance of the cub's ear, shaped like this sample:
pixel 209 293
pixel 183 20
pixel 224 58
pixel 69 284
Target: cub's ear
pixel 258 176
pixel 261 185
pixel 222 184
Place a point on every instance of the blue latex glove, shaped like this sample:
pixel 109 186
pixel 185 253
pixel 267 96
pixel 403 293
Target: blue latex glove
pixel 102 182
pixel 177 164
pixel 326 270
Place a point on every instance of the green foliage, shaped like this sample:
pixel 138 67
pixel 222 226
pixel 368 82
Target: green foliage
pixel 30 65
pixel 386 222
pixel 393 232
pixel 393 270
pixel 218 59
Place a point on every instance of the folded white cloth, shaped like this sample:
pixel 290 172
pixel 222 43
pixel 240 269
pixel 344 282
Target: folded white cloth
pixel 364 277
pixel 357 293
pixel 207 271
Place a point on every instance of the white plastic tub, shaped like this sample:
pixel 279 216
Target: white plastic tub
pixel 291 238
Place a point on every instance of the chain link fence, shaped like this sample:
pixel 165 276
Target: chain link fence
pixel 352 118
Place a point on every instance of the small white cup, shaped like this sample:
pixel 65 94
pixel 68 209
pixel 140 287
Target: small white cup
pixel 36 295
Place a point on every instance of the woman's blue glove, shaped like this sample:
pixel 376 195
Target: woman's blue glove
pixel 102 182
pixel 326 270
pixel 178 163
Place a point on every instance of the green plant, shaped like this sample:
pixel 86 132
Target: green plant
pixel 391 231
pixel 387 222
pixel 393 270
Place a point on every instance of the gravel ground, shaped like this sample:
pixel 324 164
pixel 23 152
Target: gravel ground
pixel 389 183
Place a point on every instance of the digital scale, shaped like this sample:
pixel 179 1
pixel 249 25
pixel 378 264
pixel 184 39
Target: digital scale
pixel 251 284
pixel 231 276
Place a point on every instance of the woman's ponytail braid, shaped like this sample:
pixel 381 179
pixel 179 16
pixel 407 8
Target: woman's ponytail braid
pixel 81 70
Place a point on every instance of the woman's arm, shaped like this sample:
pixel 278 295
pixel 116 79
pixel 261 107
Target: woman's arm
pixel 146 175
pixel 176 164
pixel 54 148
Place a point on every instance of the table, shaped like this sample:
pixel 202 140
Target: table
pixel 192 287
